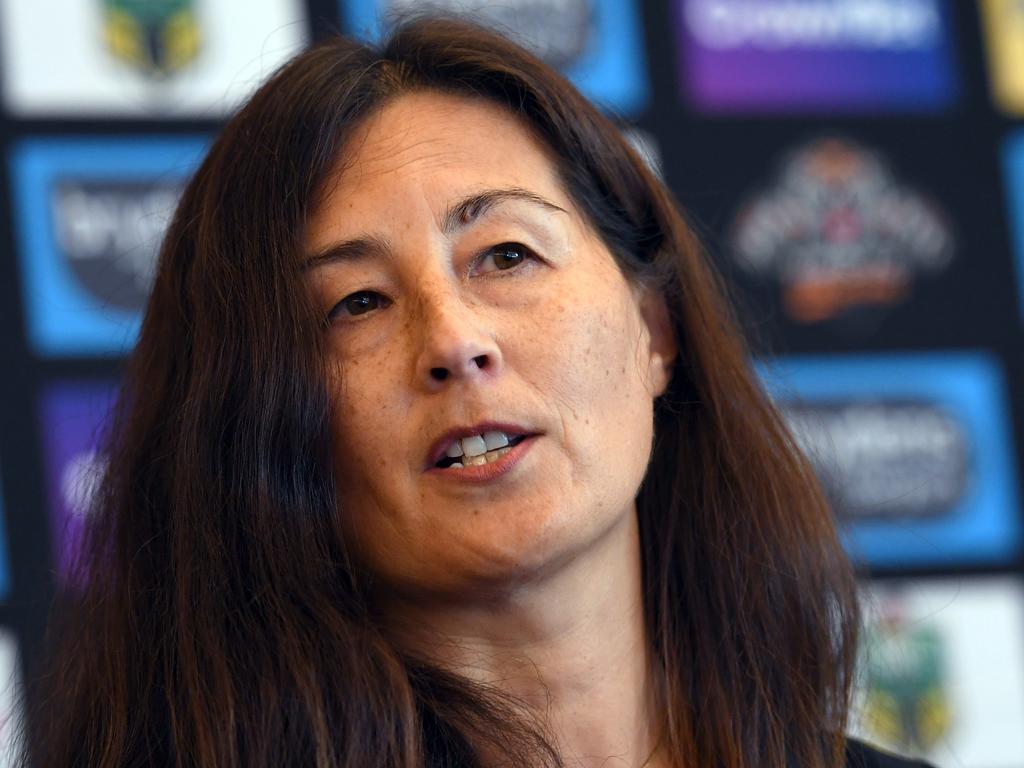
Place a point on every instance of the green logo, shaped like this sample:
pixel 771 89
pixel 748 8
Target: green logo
pixel 157 37
pixel 906 702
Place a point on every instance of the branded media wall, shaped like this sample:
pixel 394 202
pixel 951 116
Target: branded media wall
pixel 855 168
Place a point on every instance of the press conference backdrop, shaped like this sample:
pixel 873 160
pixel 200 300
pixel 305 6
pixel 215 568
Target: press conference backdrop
pixel 855 167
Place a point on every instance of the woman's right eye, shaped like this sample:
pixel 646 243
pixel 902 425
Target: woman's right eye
pixel 358 303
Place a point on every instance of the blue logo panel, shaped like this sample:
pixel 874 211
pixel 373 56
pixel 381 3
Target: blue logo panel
pixel 1013 158
pixel 89 217
pixel 598 44
pixel 914 451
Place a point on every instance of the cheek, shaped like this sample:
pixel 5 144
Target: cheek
pixel 364 425
pixel 366 420
pixel 595 380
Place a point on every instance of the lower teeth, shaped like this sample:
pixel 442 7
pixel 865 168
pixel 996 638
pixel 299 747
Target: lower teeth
pixel 486 458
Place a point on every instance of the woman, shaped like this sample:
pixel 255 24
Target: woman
pixel 440 448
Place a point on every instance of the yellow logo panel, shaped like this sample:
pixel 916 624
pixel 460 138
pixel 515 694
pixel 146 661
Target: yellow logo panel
pixel 1003 21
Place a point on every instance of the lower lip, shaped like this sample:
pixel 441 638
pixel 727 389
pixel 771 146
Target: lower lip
pixel 483 473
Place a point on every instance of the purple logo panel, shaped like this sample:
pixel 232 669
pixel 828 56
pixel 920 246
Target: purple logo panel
pixel 73 417
pixel 767 55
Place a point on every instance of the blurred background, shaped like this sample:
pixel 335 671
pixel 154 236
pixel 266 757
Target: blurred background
pixel 855 167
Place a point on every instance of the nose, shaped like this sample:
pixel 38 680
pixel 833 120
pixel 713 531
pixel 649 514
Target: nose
pixel 454 343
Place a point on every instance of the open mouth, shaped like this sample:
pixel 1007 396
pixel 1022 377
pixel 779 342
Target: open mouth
pixel 482 458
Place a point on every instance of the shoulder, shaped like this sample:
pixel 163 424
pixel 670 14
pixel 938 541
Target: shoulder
pixel 860 755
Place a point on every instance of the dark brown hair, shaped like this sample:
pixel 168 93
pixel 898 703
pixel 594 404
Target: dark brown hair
pixel 222 620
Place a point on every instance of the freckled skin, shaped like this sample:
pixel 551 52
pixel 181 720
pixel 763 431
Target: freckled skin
pixel 570 350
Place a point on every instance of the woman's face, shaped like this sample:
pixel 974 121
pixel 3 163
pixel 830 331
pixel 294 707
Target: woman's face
pixel 470 304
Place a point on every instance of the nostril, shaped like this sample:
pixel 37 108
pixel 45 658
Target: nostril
pixel 442 373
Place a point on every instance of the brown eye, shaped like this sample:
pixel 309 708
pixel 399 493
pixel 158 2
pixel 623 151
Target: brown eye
pixel 507 255
pixel 358 304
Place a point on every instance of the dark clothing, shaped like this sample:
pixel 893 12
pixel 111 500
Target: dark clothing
pixel 860 755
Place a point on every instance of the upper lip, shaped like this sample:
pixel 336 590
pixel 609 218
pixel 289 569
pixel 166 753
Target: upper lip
pixel 440 445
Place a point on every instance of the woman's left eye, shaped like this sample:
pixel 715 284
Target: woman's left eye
pixel 503 257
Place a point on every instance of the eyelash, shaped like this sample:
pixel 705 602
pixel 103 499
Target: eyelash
pixel 527 255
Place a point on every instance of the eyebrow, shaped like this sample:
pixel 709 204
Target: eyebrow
pixel 456 216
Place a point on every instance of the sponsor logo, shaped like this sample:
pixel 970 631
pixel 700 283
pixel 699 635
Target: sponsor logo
pixel 941 668
pixel 73 417
pixel 914 453
pixel 868 24
pixel 816 53
pixel 150 58
pixel 884 458
pixel 596 43
pixel 156 37
pixel 90 216
pixel 906 698
pixel 837 231
pixel 1003 22
pixel 108 233
pixel 1013 166
pixel 558 31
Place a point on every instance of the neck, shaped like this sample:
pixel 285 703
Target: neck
pixel 572 646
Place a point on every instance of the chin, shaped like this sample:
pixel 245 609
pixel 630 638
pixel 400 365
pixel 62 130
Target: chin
pixel 506 556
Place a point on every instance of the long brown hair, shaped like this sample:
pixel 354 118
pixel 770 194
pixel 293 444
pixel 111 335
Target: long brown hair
pixel 222 621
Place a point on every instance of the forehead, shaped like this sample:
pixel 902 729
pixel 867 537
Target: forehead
pixel 425 149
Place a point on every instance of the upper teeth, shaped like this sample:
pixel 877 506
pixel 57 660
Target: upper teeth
pixel 477 445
